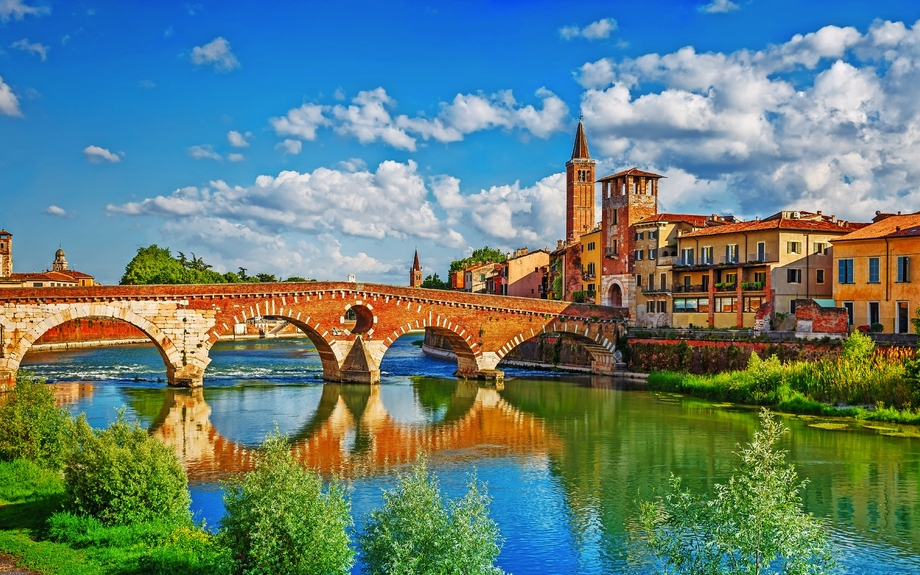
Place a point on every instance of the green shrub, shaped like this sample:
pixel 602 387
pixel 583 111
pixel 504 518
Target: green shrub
pixel 121 475
pixel 752 524
pixel 858 347
pixel 279 519
pixel 417 533
pixel 31 425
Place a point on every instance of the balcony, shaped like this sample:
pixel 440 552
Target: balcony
pixel 761 258
pixel 688 288
pixel 684 261
pixel 611 253
pixel 588 276
pixel 726 260
pixel 668 261
pixel 752 286
pixel 725 287
pixel 655 290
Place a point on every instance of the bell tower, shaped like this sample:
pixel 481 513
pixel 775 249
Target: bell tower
pixel 415 274
pixel 6 254
pixel 579 189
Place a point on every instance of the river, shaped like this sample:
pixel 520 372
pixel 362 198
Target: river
pixel 565 457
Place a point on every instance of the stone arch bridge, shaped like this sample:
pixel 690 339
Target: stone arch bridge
pixel 351 324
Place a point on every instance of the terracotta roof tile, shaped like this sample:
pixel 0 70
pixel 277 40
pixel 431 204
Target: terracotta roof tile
pixel 907 225
pixel 776 224
pixel 631 172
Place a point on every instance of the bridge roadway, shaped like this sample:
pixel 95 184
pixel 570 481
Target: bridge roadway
pixel 184 322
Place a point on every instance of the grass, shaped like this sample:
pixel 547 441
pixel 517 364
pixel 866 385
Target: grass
pixel 33 528
pixel 864 383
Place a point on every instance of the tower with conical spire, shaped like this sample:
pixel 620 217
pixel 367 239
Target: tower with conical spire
pixel 579 188
pixel 415 274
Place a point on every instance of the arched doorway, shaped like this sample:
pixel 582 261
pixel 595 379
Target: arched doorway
pixel 616 296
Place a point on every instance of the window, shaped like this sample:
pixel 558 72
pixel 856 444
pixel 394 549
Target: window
pixel 792 307
pixel 653 235
pixel 686 256
pixel 613 247
pixel 873 312
pixel 706 255
pixel 638 281
pixel 638 255
pixel 761 277
pixel 731 253
pixel 761 251
pixel 592 246
pixel 591 290
pixel 649 307
pixel 640 235
pixel 793 247
pixel 848 305
pixel 653 254
pixel 821 248
pixel 615 214
pixel 794 276
pixel 752 303
pixel 37 284
pixel 902 309
pixel 845 271
pixel 726 304
pixel 662 306
pixel 819 276
pixel 591 269
pixel 705 285
pixel 687 283
pixel 664 281
pixel 903 269
pixel 651 282
pixel 730 279
pixel 873 271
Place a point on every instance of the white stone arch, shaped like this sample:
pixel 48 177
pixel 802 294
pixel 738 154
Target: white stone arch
pixel 172 357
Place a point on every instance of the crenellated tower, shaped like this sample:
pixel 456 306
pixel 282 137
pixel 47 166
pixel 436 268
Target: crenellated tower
pixel 579 189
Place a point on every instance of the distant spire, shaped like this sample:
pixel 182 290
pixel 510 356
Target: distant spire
pixel 415 265
pixel 580 150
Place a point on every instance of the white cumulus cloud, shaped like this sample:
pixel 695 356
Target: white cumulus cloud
pixel 9 103
pixel 53 210
pixel 717 6
pixel 301 122
pixel 828 120
pixel 36 48
pixel 238 140
pixel 236 157
pixel 95 154
pixel 215 53
pixel 17 10
pixel 594 31
pixel 205 152
pixel 290 146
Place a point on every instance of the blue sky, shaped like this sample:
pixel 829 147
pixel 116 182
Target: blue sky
pixel 322 139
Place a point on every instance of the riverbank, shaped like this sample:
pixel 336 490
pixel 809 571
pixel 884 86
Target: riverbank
pixel 863 383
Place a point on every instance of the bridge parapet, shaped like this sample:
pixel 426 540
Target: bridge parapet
pixel 184 321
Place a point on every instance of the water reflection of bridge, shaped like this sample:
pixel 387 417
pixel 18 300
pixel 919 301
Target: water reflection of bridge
pixel 351 433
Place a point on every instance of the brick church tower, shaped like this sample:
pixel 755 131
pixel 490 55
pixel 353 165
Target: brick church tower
pixel 415 274
pixel 579 189
pixel 6 254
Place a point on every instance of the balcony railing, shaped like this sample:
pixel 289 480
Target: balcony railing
pixel 588 276
pixel 728 260
pixel 684 288
pixel 655 290
pixel 726 287
pixel 611 253
pixel 668 261
pixel 683 261
pixel 760 258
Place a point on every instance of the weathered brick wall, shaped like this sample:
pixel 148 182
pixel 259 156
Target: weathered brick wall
pixel 553 349
pixel 812 318
pixel 697 356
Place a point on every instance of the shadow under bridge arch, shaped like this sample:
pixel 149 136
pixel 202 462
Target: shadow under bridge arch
pixel 565 349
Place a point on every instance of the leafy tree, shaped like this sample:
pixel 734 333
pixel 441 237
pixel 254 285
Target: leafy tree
pixel 266 278
pixel 434 282
pixel 480 256
pixel 242 274
pixel 121 475
pixel 417 533
pixel 296 279
pixel 752 525
pixel 279 519
pixel 156 265
pixel 31 425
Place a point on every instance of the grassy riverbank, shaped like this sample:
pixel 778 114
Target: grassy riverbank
pixel 864 382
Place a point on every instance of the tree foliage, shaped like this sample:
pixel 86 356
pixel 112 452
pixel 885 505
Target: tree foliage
pixel 754 524
pixel 432 281
pixel 31 425
pixel 279 519
pixel 121 475
pixel 156 265
pixel 416 532
pixel 482 255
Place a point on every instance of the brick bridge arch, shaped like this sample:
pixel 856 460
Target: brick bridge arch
pixel 172 356
pixel 185 321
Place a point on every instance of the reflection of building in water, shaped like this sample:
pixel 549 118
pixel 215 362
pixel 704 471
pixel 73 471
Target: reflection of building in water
pixel 351 433
pixel 68 393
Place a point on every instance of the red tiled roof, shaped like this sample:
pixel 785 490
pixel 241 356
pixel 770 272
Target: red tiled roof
pixel 777 224
pixel 907 225
pixel 695 220
pixel 631 172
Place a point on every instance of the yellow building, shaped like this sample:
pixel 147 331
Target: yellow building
pixel 591 257
pixel 654 255
pixel 874 279
pixel 724 274
pixel 523 273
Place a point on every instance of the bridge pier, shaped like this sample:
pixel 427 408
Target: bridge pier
pixel 185 376
pixel 481 367
pixel 362 364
